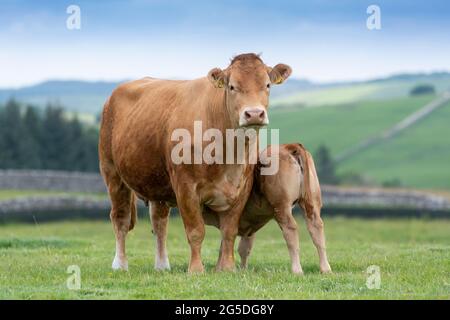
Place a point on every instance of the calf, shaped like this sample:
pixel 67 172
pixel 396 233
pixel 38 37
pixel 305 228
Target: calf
pixel 273 197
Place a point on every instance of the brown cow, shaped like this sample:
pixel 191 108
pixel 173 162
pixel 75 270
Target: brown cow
pixel 135 152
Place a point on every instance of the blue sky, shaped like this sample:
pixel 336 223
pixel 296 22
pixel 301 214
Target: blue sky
pixel 323 40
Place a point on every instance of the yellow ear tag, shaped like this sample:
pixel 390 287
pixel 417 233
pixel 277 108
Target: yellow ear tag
pixel 279 80
pixel 220 83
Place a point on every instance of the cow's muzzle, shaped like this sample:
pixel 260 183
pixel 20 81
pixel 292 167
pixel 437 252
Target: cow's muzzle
pixel 253 116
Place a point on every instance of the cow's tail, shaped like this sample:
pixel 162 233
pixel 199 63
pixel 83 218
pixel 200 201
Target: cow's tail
pixel 133 209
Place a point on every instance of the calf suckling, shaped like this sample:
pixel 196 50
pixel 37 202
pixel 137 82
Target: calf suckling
pixel 137 160
pixel 273 197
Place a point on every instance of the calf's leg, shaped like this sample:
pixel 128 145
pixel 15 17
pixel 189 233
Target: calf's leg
pixel 315 227
pixel 159 213
pixel 244 249
pixel 290 233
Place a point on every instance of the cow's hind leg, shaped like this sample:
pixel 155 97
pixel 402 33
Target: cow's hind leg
pixel 244 249
pixel 315 227
pixel 123 214
pixel 159 213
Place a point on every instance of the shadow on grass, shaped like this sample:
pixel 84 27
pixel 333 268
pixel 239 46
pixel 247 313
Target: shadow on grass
pixel 256 269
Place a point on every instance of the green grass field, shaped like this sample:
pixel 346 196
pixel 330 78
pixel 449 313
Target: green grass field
pixel 341 127
pixel 413 256
pixel 329 96
pixel 419 157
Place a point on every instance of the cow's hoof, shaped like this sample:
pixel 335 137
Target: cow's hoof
pixel 196 269
pixel 298 272
pixel 162 265
pixel 243 266
pixel 120 264
pixel 225 268
pixel 326 271
pixel 325 268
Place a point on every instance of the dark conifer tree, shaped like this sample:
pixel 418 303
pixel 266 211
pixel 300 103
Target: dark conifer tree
pixel 325 166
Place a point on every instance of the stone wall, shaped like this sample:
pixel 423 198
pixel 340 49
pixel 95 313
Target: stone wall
pixel 52 203
pixel 51 180
pixel 92 183
pixel 375 197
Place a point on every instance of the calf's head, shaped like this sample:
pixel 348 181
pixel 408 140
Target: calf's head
pixel 247 82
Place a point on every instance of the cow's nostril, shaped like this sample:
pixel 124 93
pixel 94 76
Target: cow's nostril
pixel 254 116
pixel 261 114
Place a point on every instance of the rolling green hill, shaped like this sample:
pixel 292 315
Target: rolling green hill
pixel 86 97
pixel 418 157
pixel 340 127
pixel 381 89
pixel 338 115
pixel 76 96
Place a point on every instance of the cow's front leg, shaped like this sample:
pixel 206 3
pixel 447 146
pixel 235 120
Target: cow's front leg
pixel 229 224
pixel 191 213
pixel 289 228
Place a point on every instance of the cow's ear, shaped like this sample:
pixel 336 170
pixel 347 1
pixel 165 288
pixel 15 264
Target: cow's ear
pixel 280 73
pixel 217 77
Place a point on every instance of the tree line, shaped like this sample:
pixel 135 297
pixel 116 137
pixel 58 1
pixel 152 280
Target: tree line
pixel 31 138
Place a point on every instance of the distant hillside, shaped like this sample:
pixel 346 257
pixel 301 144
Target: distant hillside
pixel 88 97
pixel 75 96
pixel 346 115
pixel 397 86
pixel 418 157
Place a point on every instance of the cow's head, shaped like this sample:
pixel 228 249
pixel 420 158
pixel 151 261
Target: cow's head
pixel 247 82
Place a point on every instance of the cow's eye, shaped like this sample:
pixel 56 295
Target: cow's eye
pixel 231 88
pixel 268 86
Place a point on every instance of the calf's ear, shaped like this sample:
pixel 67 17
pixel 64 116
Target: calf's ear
pixel 217 77
pixel 279 73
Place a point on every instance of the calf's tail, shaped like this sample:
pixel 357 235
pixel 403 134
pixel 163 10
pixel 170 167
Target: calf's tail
pixel 310 195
